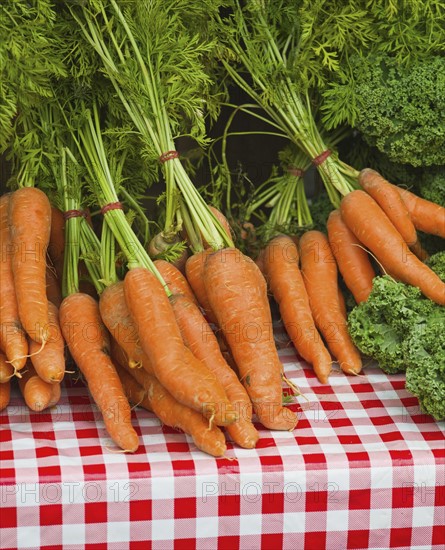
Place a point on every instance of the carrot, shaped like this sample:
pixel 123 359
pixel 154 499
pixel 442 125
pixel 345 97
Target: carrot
pixel 56 392
pixel 194 271
pixel 200 339
pixel 341 301
pixel 352 259
pixel 30 223
pixel 135 392
pixel 390 202
pixel 53 288
pixel 56 246
pixel 12 338
pixel 37 393
pixel 5 394
pixel 88 343
pixel 237 294
pixel 116 317
pixel 373 228
pixel 171 412
pixel 320 277
pixel 281 265
pixel 49 362
pixel 427 216
pixel 419 251
pixel 6 369
pixel 187 378
pixel 174 279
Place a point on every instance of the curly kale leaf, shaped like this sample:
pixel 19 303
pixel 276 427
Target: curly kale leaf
pixel 437 263
pixel 432 185
pixel 404 331
pixel 425 373
pixel 398 109
pixel 378 326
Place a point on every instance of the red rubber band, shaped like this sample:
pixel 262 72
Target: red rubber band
pixel 168 155
pixel 321 157
pixel 111 206
pixel 74 214
pixel 297 172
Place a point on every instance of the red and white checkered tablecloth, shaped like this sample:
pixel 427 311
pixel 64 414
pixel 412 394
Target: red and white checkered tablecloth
pixel 363 469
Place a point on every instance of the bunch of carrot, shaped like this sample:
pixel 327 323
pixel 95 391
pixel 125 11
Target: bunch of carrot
pixel 374 229
pixel 31 343
pixel 143 340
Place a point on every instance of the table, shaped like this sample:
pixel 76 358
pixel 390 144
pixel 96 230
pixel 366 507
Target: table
pixel 363 469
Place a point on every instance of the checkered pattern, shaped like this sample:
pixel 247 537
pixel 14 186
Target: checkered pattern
pixel 363 469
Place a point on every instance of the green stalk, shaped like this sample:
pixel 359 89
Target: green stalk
pixel 70 281
pixel 93 153
pixel 283 104
pixel 92 254
pixel 156 134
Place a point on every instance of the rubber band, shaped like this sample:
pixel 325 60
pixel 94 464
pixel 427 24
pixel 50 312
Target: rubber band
pixel 168 155
pixel 74 214
pixel 111 206
pixel 297 172
pixel 321 157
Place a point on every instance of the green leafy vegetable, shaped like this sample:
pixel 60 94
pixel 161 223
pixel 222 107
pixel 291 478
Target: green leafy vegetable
pixel 403 331
pixel 400 110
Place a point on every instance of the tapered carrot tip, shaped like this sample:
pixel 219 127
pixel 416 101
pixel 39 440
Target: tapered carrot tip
pixel 243 434
pixel 211 441
pixel 349 368
pixel 275 417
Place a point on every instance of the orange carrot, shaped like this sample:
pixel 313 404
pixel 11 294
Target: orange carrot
pixel 37 393
pixel 237 294
pixel 321 281
pixel 56 392
pixel 116 317
pixel 341 301
pixel 352 259
pixel 88 343
pixel 427 216
pixel 390 202
pixel 49 362
pixel 194 271
pixel 174 279
pixel 200 339
pixel 171 412
pixel 30 223
pixel 135 392
pixel 53 288
pixel 373 228
pixel 5 394
pixel 6 369
pixel 12 338
pixel 187 378
pixel 56 246
pixel 281 265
